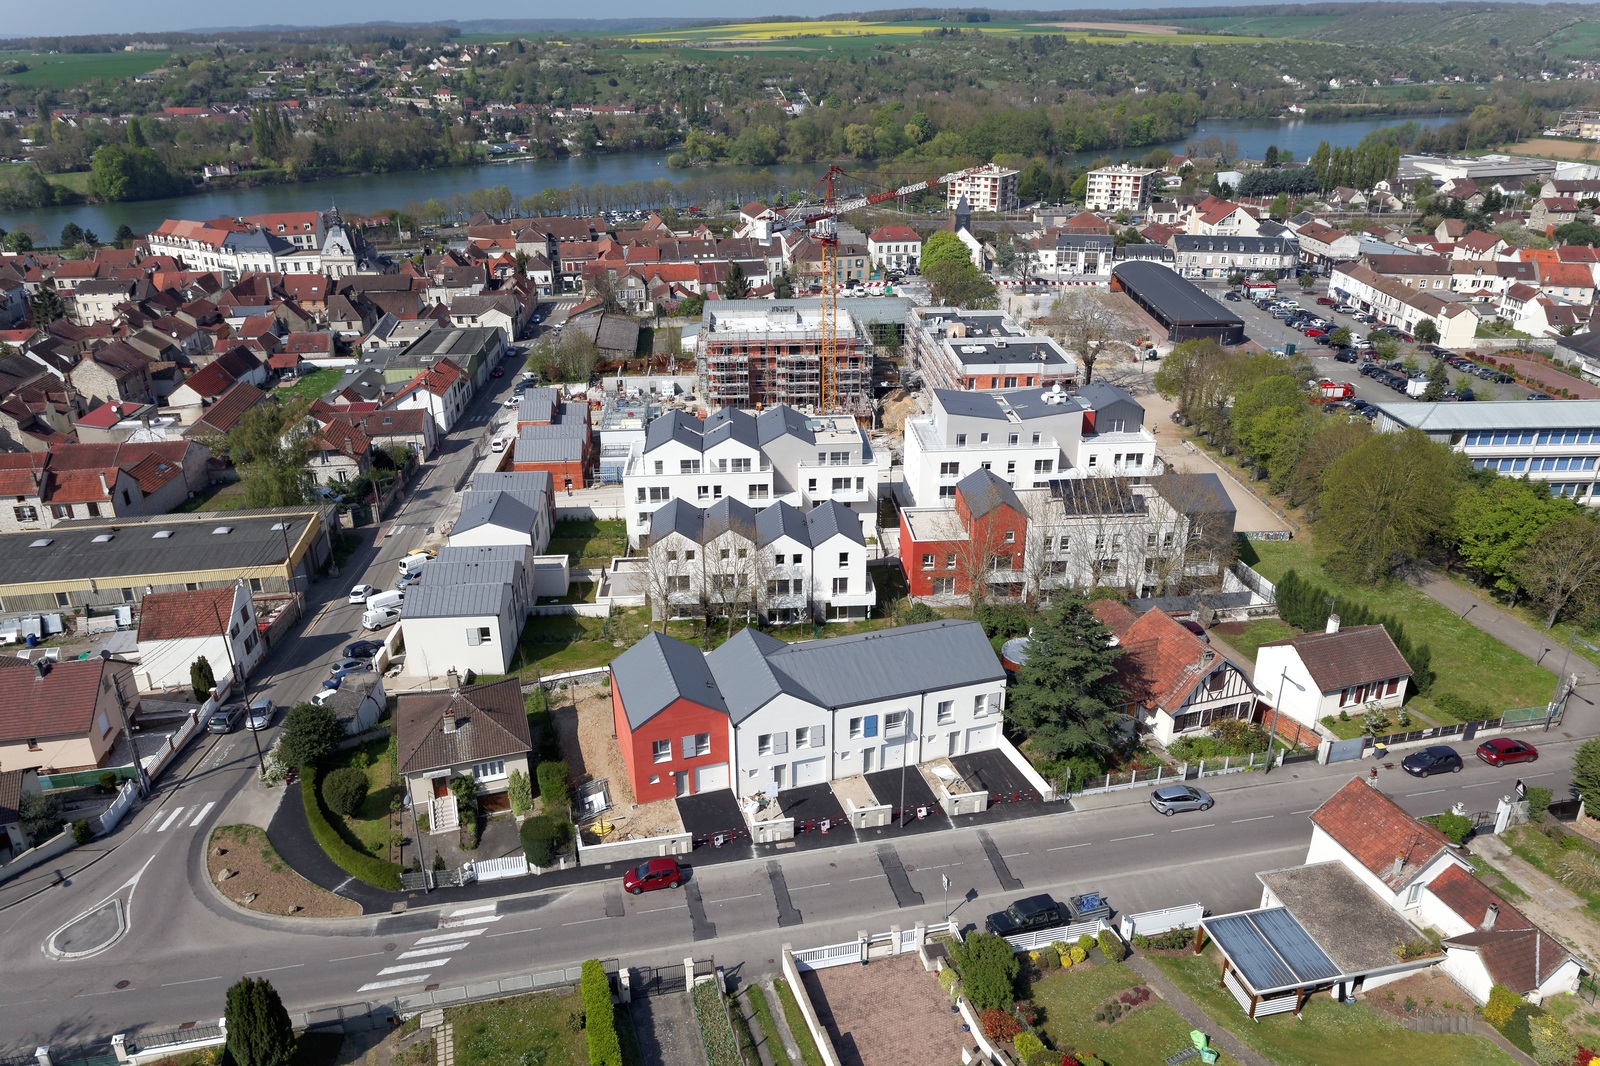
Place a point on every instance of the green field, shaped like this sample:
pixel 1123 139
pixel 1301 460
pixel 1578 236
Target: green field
pixel 1581 40
pixel 856 35
pixel 69 71
pixel 311 386
pixel 1259 26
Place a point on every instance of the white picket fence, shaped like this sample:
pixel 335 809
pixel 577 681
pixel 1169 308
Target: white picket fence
pixel 126 795
pixel 497 869
pixel 1061 933
pixel 874 946
pixel 1165 920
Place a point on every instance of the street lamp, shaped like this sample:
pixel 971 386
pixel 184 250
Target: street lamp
pixel 1563 690
pixel 905 756
pixel 238 677
pixel 1277 709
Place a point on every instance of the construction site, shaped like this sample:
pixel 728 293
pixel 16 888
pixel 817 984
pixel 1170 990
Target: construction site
pixel 757 354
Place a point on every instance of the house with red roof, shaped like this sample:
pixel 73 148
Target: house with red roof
pixel 340 453
pixel 63 716
pixel 1314 675
pixel 894 247
pixel 177 628
pixel 442 391
pixel 225 413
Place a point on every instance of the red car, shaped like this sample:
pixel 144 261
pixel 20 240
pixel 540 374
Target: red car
pixel 649 876
pixel 1327 301
pixel 1502 751
pixel 1314 332
pixel 498 372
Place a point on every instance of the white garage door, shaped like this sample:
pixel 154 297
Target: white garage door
pixel 711 778
pixel 980 738
pixel 809 771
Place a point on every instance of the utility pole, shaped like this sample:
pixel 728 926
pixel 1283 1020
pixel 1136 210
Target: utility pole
pixel 238 678
pixel 127 730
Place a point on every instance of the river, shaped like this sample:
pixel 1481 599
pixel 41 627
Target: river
pixel 374 192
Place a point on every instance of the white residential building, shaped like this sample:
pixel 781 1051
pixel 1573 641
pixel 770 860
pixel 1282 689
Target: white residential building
pixel 954 348
pixel 177 628
pixel 466 626
pixel 894 248
pixel 1119 188
pixel 987 188
pixel 1321 674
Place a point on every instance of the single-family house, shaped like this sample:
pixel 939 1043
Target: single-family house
pixel 61 716
pixel 1317 674
pixel 464 627
pixel 670 719
pixel 177 628
pixel 478 732
pixel 14 784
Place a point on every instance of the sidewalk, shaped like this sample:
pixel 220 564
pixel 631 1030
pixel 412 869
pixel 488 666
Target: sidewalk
pixel 1199 1019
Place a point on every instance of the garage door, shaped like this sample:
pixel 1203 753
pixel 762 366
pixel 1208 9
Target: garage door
pixel 810 772
pixel 711 778
pixel 980 738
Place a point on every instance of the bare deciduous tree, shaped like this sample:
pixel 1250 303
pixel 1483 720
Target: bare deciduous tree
pixel 1087 323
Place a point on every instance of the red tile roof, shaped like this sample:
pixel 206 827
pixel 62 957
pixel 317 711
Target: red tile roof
pixel 58 704
pixel 1115 615
pixel 1355 655
pixel 1378 834
pixel 210 381
pixel 152 473
pixel 222 415
pixel 185 615
pixel 1162 662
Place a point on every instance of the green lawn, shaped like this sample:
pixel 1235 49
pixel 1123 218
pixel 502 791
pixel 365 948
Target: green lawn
pixel 1067 999
pixel 311 385
pixel 371 824
pixel 1466 661
pixel 1327 1033
pixel 589 543
pixel 219 496
pixel 1246 637
pixel 67 71
pixel 526 1030
pixel 1532 846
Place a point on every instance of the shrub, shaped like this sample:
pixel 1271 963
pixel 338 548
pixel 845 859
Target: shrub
pixel 310 734
pixel 543 837
pixel 553 797
pixel 1078 954
pixel 999 1024
pixel 1455 827
pixel 1137 996
pixel 344 791
pixel 1171 940
pixel 1552 1042
pixel 40 817
pixel 1112 947
pixel 949 981
pixel 1538 804
pixel 1502 1005
pixel 599 1017
pixel 1048 958
pixel 1086 942
pixel 1569 842
pixel 988 970
pixel 716 1030
pixel 379 873
pixel 1027 1045
pixel 108 781
pixel 81 831
pixel 1026 1013
pixel 1061 947
pixel 520 791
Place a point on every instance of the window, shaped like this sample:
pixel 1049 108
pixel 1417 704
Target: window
pixel 661 751
pixel 841 484
pixel 947 712
pixel 492 770
pixel 688 555
pixel 844 559
pixel 774 743
pixel 980 705
pixel 1036 438
pixel 660 467
pixel 855 728
pixel 26 514
pixel 741 466
pixel 838 458
pixel 757 492
pixel 678 584
pixel 1010 537
pixel 1414 894
pixel 944 586
pixel 810 737
pixel 983 438
pixel 1094 460
pixel 688 466
pixel 1012 439
pixel 961 440
pixel 947 492
pixel 703 492
pixel 672 556
pixel 61 510
pixel 950 561
pixel 949 469
pixel 927 561
pixel 841 586
pixel 61 599
pixel 1043 466
pixel 1011 467
pixel 660 495
pixel 811 484
pixel 478 635
pixel 894 723
pixel 699 744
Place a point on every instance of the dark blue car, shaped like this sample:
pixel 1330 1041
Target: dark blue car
pixel 1438 759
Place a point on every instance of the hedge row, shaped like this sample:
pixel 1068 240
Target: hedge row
pixel 599 1016
pixel 553 795
pixel 380 873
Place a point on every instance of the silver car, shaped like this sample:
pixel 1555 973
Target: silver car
pixel 1170 799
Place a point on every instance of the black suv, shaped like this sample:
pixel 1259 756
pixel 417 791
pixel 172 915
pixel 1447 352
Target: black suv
pixel 1026 916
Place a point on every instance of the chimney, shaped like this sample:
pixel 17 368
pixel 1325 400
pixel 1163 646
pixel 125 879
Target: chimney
pixel 1333 623
pixel 450 718
pixel 1399 864
pixel 42 666
pixel 454 678
pixel 1490 913
pixel 106 489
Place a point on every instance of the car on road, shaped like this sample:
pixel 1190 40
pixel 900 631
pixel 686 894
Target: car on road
pixel 350 662
pixel 498 372
pixel 513 401
pixel 225 718
pixel 261 714
pixel 1026 916
pixel 1346 355
pixel 1170 799
pixel 1503 751
pixel 361 593
pixel 429 552
pixel 1232 296
pixel 649 876
pixel 405 581
pixel 363 649
pixel 378 617
pixel 1438 759
pixel 338 679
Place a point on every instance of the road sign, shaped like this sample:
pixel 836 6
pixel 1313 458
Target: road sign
pixel 946 879
pixel 1522 790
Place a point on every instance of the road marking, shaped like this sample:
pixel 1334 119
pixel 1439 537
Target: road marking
pixel 514 932
pixel 395 983
pixel 437 949
pixel 1430 792
pixel 1014 855
pixel 192 981
pixel 730 899
pixel 366 955
pixel 170 819
pixel 203 812
pixel 1548 773
pixel 487 908
pixel 1257 818
pixel 586 921
pixel 450 936
pixel 1185 829
pixel 1066 847
pixel 1138 836
pixel 819 884
pixel 947 865
pixel 275 969
pixel 484 919
pixel 869 877
pixel 1308 810
pixel 408 967
pixel 1481 784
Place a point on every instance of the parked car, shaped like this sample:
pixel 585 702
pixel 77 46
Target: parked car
pixel 429 552
pixel 1346 355
pixel 498 445
pixel 363 649
pixel 1170 799
pixel 261 713
pixel 1439 759
pixel 225 718
pixel 338 679
pixel 1327 301
pixel 1026 916
pixel 361 593
pixel 513 401
pixel 1316 333
pixel 1345 309
pixel 1232 296
pixel 350 662
pixel 1540 396
pixel 498 372
pixel 378 617
pixel 1503 751
pixel 405 581
pixel 649 876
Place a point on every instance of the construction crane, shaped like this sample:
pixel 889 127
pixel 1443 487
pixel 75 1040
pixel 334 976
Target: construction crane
pixel 823 225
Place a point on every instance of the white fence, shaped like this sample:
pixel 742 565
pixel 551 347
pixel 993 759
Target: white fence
pixel 1150 923
pixel 877 945
pixel 1060 934
pixel 126 795
pixel 498 869
pixel 628 850
pixel 829 955
pixel 157 763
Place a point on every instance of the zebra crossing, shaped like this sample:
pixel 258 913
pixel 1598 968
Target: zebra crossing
pixel 187 817
pixel 458 930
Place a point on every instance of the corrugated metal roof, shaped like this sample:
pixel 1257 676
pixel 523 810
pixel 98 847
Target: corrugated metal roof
pixel 745 676
pixel 475 553
pixel 456 601
pixel 1271 950
pixel 473 499
pixel 562 442
pixel 1495 414
pixel 469 572
pixel 1180 301
pixel 511 480
pixel 659 670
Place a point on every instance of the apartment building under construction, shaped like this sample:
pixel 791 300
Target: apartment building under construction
pixel 758 354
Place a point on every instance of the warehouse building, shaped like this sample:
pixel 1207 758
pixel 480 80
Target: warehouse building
pixel 1178 306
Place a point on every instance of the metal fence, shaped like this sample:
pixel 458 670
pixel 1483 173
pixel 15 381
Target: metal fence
pixel 657 980
pixel 150 1041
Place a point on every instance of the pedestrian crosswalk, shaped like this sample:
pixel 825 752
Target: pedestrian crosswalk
pixel 457 932
pixel 188 817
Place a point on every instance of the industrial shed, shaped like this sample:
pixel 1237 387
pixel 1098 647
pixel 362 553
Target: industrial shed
pixel 1178 306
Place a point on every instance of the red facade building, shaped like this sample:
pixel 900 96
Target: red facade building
pixel 673 744
pixel 982 538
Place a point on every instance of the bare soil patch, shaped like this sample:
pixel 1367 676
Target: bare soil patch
pixel 1431 995
pixel 261 881
pixel 1554 149
pixel 898 406
pixel 585 729
pixel 1128 27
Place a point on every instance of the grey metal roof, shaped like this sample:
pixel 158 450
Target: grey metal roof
pixel 984 490
pixel 1271 950
pixel 833 519
pixel 864 667
pixel 659 670
pixel 1180 302
pixel 539 405
pixel 469 572
pixel 456 601
pixel 500 509
pixel 677 515
pixel 782 420
pixel 1024 403
pixel 1098 394
pixel 745 676
pixel 729 423
pixel 969 404
pixel 781 520
pixel 677 426
pixel 559 443
pixel 1495 414
pixel 533 501
pixel 475 553
pixel 520 481
pixel 729 514
pixel 1205 242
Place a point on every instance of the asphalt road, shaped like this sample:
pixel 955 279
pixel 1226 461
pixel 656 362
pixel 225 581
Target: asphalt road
pixel 184 946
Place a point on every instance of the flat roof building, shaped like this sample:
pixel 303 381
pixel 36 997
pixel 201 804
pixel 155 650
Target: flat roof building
pixel 987 188
pixel 1178 307
pixel 758 354
pixel 958 349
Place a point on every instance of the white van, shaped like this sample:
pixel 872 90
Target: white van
pixel 384 600
pixel 412 564
pixel 378 617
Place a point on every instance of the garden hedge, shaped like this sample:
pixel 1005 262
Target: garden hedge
pixel 599 1016
pixel 380 873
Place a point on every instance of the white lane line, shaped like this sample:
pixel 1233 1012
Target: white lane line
pixel 409 967
pixel 948 865
pixel 1257 818
pixel 347 958
pixel 514 932
pixel 1547 773
pixel 1482 784
pixel 275 969
pixel 203 812
pixel 395 983
pixel 173 817
pixel 1014 855
pixel 1308 810
pixel 1185 829
pixel 1429 792
pixel 1136 836
pixel 819 884
pixel 869 877
pixel 191 981
pixel 487 908
pixel 586 921
pixel 440 938
pixel 730 899
pixel 437 949
pixel 486 919
pixel 1068 847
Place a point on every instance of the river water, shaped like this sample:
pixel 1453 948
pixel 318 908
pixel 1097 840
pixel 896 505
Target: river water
pixel 374 192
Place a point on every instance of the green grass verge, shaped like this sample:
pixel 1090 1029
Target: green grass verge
pixel 1327 1033
pixel 346 853
pixel 370 825
pixel 523 1029
pixel 1466 661
pixel 1068 998
pixel 763 1012
pixel 741 1032
pixel 716 1031
pixel 1497 881
pixel 310 386
pixel 797 1024
pixel 1546 856
pixel 589 542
